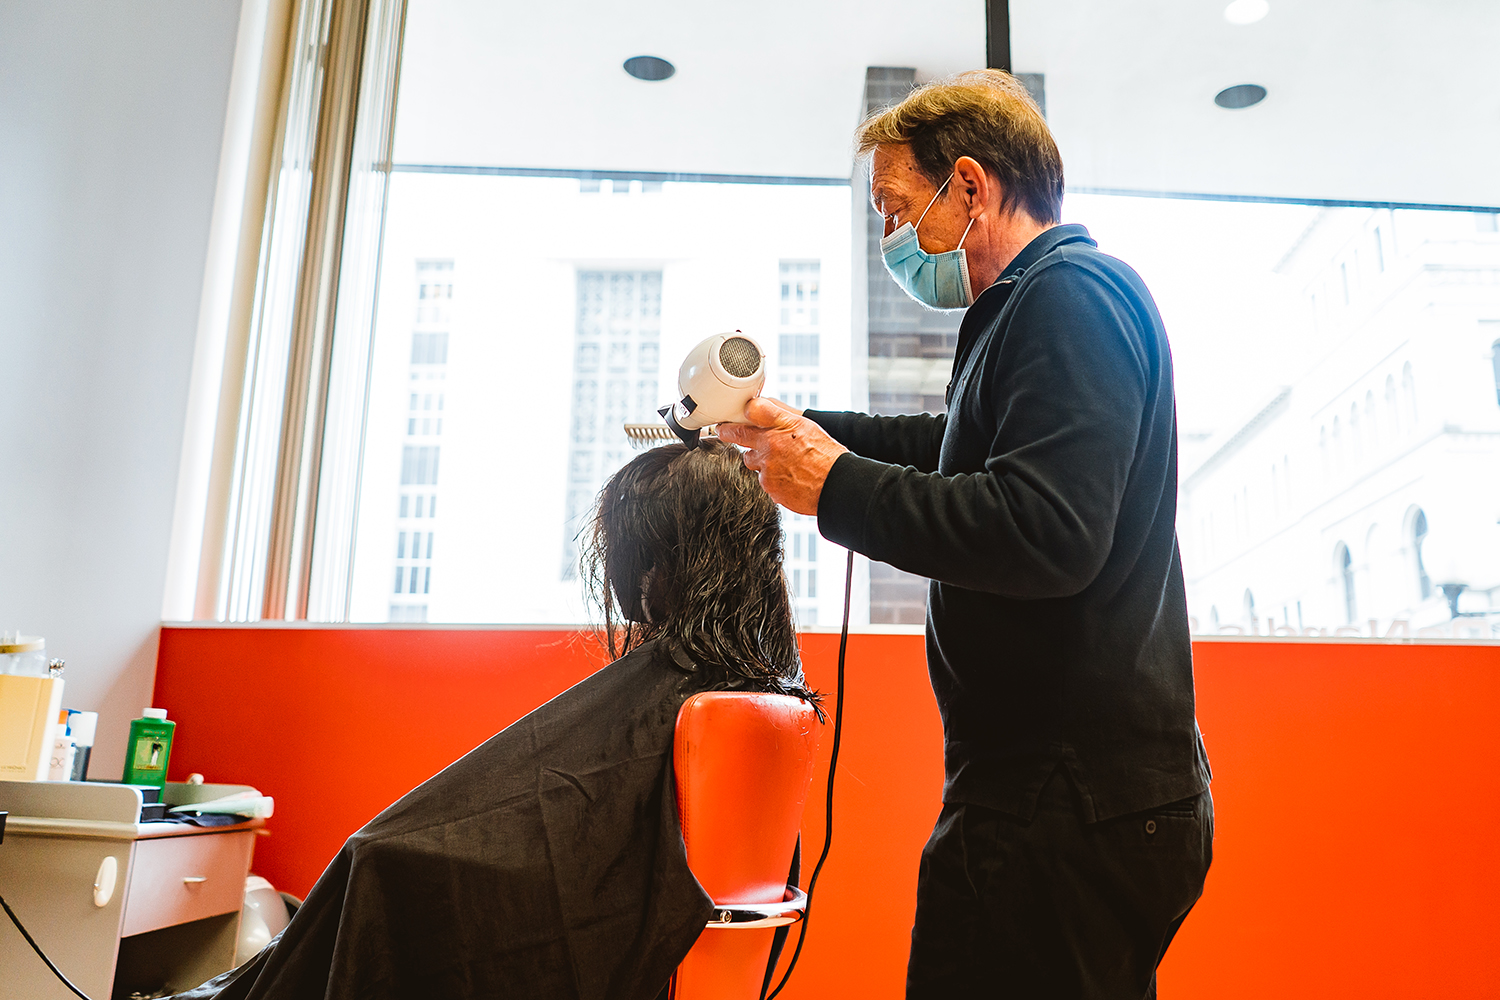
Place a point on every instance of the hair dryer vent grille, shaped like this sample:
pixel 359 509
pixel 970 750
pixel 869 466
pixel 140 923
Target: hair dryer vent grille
pixel 739 357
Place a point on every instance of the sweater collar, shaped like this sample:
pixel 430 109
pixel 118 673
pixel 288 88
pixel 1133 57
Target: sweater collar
pixel 1039 247
pixel 993 298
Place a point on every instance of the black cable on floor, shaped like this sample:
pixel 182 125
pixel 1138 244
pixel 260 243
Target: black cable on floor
pixel 40 954
pixel 838 726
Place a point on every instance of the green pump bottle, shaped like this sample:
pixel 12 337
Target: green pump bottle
pixel 150 748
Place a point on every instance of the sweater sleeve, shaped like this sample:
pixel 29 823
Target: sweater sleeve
pixel 1064 396
pixel 913 440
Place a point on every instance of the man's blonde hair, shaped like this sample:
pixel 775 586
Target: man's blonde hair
pixel 986 114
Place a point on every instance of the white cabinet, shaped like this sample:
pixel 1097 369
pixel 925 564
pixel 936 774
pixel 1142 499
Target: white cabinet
pixel 171 920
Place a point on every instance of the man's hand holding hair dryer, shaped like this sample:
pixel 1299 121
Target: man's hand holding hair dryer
pixel 791 454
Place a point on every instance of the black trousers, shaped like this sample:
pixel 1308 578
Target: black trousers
pixel 1056 908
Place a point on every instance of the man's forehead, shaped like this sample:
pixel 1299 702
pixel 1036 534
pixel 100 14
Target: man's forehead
pixel 893 171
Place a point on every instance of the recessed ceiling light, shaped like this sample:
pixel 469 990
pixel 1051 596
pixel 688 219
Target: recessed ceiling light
pixel 1240 96
pixel 1246 11
pixel 649 68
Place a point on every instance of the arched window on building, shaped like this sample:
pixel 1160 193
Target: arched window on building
pixel 1355 445
pixel 1249 610
pixel 1213 617
pixel 1392 409
pixel 1372 423
pixel 1418 537
pixel 1409 393
pixel 1344 563
pixel 1323 454
pixel 1337 447
pixel 1495 360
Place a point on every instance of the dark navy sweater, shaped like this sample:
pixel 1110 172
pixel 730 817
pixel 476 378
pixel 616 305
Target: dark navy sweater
pixel 1042 508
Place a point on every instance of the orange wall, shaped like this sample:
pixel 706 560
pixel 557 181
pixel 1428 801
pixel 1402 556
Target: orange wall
pixel 1355 786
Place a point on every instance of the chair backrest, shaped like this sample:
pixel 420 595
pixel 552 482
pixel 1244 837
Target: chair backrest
pixel 743 764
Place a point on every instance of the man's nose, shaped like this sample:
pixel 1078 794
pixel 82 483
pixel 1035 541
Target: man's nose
pixel 890 225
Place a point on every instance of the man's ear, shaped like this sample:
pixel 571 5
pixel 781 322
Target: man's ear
pixel 975 185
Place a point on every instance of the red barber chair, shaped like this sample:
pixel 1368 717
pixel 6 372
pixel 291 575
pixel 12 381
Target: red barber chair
pixel 744 763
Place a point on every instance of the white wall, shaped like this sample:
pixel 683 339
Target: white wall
pixel 111 120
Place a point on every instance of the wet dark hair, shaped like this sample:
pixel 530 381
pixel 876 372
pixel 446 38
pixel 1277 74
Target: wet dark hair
pixel 685 545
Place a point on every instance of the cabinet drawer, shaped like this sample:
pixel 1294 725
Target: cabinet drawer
pixel 177 879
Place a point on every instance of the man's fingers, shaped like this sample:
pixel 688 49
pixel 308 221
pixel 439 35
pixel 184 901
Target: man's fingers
pixel 763 412
pixel 742 434
pixel 751 438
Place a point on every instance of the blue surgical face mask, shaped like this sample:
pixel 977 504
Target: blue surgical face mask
pixel 938 280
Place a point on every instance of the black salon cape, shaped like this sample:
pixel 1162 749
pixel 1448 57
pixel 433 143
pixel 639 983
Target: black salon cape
pixel 546 863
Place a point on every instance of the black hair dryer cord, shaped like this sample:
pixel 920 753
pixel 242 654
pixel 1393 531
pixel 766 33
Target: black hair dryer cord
pixel 833 763
pixel 37 948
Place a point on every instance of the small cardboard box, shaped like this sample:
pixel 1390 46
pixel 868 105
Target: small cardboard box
pixel 29 707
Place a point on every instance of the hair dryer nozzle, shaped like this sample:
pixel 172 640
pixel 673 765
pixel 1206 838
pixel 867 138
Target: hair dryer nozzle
pixel 689 437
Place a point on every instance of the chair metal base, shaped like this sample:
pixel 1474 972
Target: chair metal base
pixel 746 916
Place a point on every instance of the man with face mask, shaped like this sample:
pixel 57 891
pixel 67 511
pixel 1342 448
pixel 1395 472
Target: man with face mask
pixel 1076 829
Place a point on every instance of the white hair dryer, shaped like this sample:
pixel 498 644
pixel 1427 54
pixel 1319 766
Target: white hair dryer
pixel 716 380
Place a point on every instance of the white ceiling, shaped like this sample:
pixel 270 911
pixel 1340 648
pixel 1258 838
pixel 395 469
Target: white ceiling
pixel 1373 100
pixel 1377 100
pixel 775 87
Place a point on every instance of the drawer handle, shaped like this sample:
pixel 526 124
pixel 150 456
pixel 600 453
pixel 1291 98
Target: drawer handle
pixel 194 879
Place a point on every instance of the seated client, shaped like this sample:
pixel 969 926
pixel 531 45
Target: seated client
pixel 548 862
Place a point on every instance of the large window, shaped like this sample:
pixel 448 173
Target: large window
pixel 553 340
pixel 1332 377
pixel 596 226
pixel 1329 285
pixel 554 234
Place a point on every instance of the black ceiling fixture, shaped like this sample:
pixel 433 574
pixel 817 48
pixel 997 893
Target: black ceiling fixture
pixel 1242 95
pixel 649 68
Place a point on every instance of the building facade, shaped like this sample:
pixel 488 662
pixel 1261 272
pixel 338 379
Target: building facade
pixel 548 348
pixel 421 444
pixel 1362 496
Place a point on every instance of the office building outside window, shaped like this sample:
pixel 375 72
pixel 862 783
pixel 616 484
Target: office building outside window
pixel 1361 484
pixel 616 356
pixel 417 498
pixel 799 357
pixel 798 345
pixel 552 347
